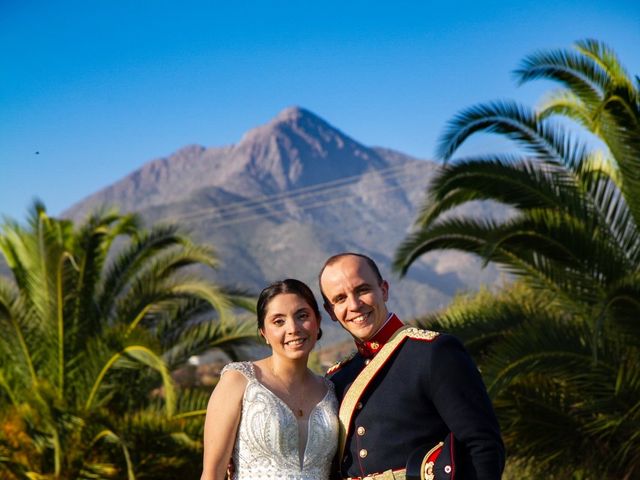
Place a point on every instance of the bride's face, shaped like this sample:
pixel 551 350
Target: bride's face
pixel 290 326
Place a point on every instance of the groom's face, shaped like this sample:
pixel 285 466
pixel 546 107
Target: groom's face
pixel 356 297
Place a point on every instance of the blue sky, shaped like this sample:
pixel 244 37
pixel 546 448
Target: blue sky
pixel 99 88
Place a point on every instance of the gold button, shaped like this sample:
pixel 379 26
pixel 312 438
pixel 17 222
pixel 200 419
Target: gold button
pixel 359 406
pixel 363 453
pixel 366 362
pixel 375 345
pixel 361 431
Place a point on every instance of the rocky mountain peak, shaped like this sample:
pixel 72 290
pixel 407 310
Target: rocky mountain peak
pixel 295 114
pixel 293 121
pixel 291 193
pixel 298 148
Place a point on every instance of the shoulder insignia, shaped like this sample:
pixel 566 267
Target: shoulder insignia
pixel 420 334
pixel 338 365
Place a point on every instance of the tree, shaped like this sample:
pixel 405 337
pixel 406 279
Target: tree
pixel 91 333
pixel 564 378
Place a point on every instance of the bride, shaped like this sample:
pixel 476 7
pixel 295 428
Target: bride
pixel 274 418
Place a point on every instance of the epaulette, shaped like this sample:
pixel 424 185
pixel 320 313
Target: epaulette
pixel 420 334
pixel 338 365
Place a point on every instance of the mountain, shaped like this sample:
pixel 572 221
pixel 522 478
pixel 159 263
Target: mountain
pixel 291 193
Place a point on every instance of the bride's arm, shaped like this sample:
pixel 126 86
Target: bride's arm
pixel 221 424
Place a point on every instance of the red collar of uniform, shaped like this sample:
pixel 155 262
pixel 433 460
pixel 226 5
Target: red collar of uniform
pixel 372 346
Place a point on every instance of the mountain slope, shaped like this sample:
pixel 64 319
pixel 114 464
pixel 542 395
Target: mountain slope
pixel 291 193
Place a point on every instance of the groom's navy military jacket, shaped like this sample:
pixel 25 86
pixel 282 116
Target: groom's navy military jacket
pixel 412 399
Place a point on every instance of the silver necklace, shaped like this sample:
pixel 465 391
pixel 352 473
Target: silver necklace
pixel 297 411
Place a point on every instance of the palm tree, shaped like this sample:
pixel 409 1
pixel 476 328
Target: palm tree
pixel 92 331
pixel 564 378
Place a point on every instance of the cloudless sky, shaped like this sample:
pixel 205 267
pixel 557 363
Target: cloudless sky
pixel 98 88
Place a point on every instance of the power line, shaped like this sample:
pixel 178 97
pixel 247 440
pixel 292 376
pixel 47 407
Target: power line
pixel 250 212
pixel 324 188
pixel 310 206
pixel 302 191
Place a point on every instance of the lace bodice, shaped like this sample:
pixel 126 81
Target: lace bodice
pixel 266 445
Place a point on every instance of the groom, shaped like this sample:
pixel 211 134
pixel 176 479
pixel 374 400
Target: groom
pixel 413 404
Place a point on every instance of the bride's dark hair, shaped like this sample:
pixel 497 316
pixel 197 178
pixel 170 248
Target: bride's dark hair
pixel 289 285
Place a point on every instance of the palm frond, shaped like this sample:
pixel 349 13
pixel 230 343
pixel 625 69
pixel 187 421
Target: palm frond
pixel 546 346
pixel 209 334
pixel 561 357
pixel 130 260
pixel 480 322
pixel 577 72
pixel 606 58
pixel 148 299
pixel 92 242
pixel 566 104
pixel 623 305
pixel 144 356
pixel 109 436
pixel 548 141
pixel 82 361
pixel 622 136
pixel 511 180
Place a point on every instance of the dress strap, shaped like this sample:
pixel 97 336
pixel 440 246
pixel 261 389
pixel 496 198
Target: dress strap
pixel 329 384
pixel 245 368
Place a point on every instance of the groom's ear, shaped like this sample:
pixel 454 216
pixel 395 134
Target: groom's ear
pixel 329 309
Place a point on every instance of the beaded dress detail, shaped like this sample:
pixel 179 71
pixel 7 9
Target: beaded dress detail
pixel 267 440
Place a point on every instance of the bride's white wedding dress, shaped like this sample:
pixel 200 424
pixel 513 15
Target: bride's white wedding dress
pixel 267 446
